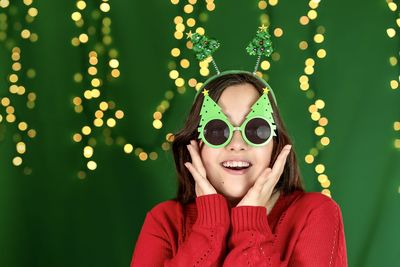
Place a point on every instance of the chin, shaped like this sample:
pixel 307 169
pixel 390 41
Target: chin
pixel 234 194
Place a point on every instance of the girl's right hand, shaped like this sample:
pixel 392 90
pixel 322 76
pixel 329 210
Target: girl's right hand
pixel 196 168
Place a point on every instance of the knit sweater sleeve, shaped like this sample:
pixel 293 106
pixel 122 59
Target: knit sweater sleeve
pixel 320 242
pixel 205 245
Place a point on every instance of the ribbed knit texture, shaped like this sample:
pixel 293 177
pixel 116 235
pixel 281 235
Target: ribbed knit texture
pixel 302 230
pixel 217 215
pixel 247 218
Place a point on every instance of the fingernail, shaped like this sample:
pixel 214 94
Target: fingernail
pixel 289 147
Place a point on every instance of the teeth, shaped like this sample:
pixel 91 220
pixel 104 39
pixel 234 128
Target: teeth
pixel 236 164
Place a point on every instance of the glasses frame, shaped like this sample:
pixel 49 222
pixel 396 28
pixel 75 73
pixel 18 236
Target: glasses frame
pixel 240 128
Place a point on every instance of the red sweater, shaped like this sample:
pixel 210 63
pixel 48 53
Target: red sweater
pixel 302 229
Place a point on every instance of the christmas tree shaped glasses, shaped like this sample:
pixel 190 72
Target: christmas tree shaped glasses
pixel 216 131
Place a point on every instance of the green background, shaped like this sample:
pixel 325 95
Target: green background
pixel 53 218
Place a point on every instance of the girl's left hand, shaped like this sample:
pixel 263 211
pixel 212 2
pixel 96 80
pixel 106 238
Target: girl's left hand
pixel 260 193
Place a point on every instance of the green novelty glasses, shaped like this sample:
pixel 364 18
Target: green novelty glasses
pixel 216 131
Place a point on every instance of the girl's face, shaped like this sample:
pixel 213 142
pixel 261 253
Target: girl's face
pixel 236 102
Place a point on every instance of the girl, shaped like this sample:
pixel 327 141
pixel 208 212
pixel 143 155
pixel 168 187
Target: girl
pixel 240 200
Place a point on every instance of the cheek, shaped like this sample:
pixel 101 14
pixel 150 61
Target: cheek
pixel 209 158
pixel 206 154
pixel 263 156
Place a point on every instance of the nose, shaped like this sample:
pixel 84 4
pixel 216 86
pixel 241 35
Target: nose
pixel 237 142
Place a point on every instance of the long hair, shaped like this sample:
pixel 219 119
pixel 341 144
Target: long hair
pixel 290 180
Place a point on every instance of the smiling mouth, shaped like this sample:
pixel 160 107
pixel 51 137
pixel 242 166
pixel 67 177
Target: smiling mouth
pixel 236 165
pixel 236 168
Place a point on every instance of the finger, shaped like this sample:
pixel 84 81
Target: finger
pixel 262 179
pixel 196 159
pixel 196 175
pixel 279 164
pixel 278 167
pixel 199 179
pixel 276 170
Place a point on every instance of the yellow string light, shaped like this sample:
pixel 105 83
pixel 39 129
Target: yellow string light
pixel 394 83
pixel 101 110
pixel 10 111
pixel 278 32
pixel 316 108
pixel 304 80
pixel 106 107
pixel 184 23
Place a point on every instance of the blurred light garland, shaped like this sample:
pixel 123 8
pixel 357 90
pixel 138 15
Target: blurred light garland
pixel 15 32
pixel 190 16
pixel 276 31
pixel 319 104
pixel 184 27
pixel 318 53
pixel 174 73
pixel 393 61
pixel 101 68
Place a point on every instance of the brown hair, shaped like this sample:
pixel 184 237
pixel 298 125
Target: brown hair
pixel 291 178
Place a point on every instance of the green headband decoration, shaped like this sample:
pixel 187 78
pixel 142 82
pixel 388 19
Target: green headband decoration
pixel 261 111
pixel 261 45
pixel 204 47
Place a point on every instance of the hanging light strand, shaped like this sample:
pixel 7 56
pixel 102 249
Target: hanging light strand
pixel 101 69
pixel 393 61
pixel 315 52
pixel 16 34
pixel 277 31
pixel 189 16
